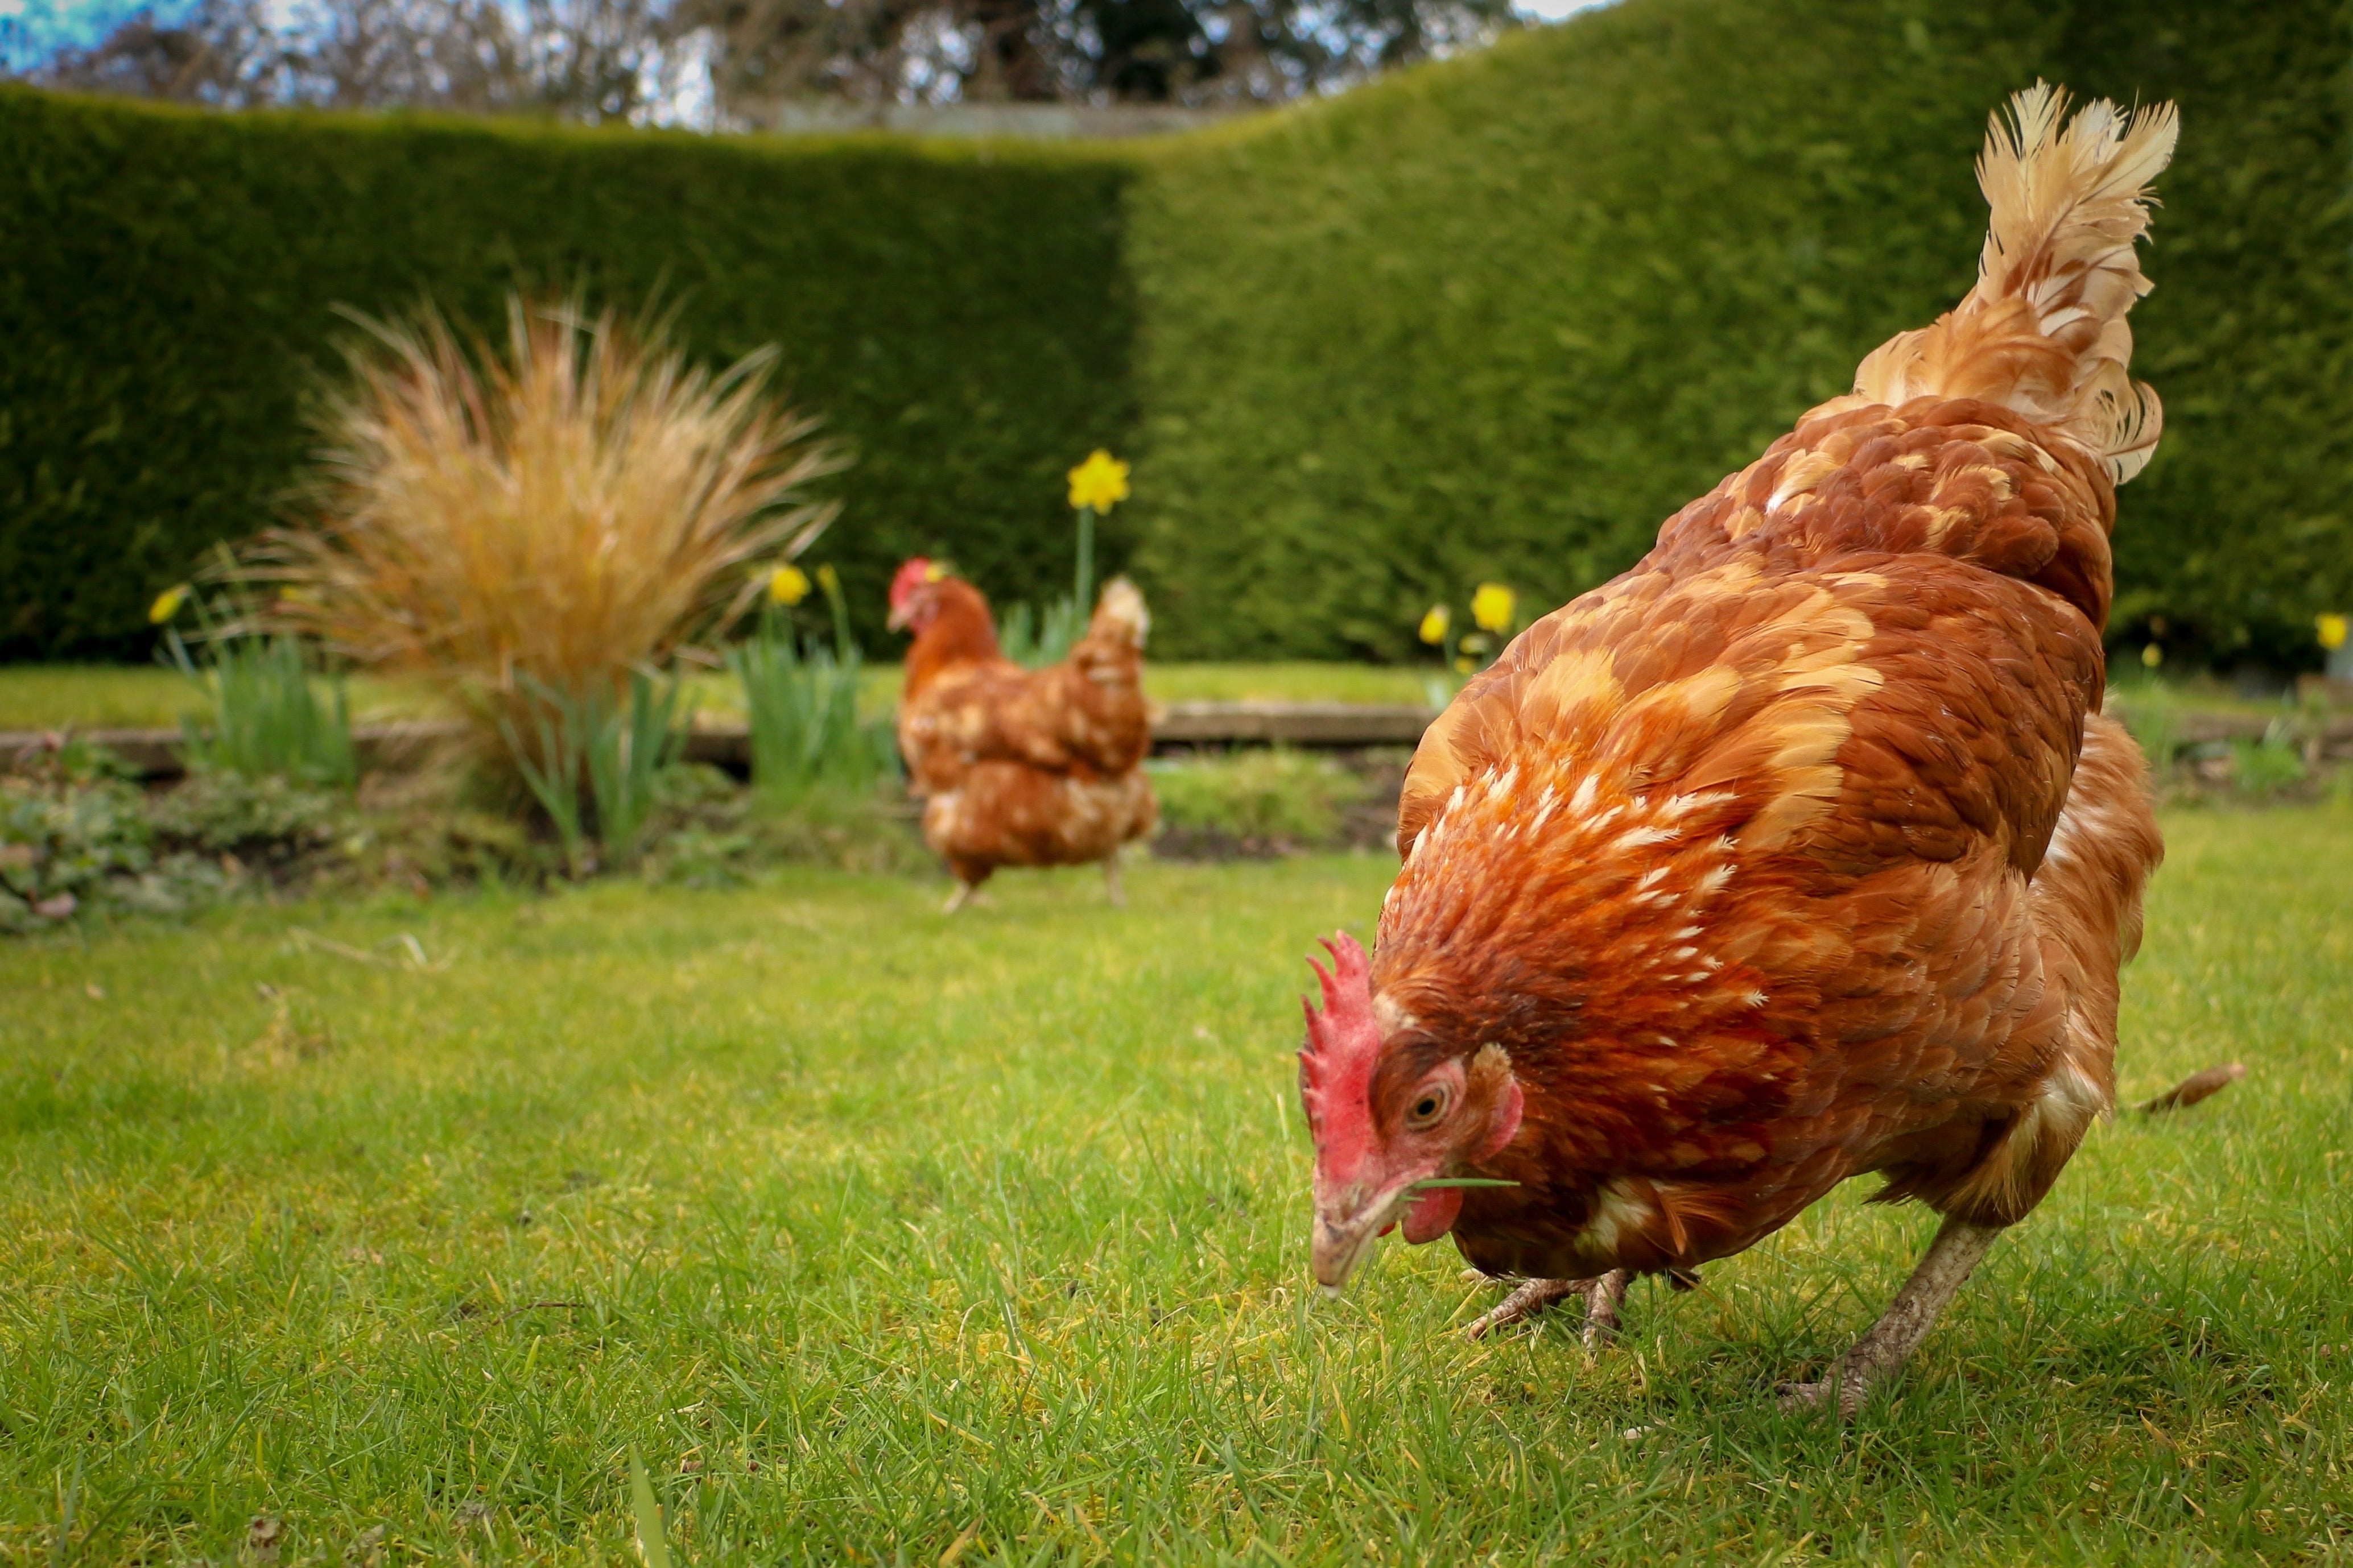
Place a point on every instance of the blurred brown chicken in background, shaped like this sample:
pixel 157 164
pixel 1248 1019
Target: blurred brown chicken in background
pixel 1019 767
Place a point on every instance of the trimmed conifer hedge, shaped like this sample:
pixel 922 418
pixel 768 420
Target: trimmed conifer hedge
pixel 1495 317
pixel 1499 317
pixel 2241 529
pixel 170 284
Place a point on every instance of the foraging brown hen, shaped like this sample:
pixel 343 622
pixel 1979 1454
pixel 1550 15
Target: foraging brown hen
pixel 1802 850
pixel 1019 767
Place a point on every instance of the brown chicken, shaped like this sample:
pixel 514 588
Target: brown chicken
pixel 1802 850
pixel 1019 767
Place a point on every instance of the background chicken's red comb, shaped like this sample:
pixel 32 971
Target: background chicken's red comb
pixel 912 576
pixel 1336 1068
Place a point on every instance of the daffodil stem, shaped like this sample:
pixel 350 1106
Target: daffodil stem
pixel 1086 573
pixel 841 607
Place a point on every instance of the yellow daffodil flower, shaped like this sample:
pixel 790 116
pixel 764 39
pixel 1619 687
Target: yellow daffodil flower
pixel 1434 624
pixel 167 604
pixel 1100 482
pixel 1492 606
pixel 787 585
pixel 2151 657
pixel 1466 666
pixel 2333 630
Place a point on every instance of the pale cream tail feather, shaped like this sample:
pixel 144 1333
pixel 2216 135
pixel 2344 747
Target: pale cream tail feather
pixel 2044 333
pixel 1121 613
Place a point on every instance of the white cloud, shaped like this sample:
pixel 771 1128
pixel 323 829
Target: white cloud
pixel 1554 10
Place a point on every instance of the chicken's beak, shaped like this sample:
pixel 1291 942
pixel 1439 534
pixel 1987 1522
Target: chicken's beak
pixel 1349 1221
pixel 897 620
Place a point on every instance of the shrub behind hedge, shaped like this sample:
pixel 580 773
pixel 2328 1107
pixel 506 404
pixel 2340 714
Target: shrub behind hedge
pixel 169 283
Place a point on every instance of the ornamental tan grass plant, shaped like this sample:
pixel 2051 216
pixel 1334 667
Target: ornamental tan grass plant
pixel 505 521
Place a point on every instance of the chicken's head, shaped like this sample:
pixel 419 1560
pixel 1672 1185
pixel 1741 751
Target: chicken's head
pixel 915 597
pixel 1390 1113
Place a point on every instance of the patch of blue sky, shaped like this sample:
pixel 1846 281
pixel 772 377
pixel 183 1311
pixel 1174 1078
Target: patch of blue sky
pixel 32 31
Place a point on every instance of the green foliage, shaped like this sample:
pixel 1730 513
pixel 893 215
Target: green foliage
pixel 1269 795
pixel 257 818
pixel 589 749
pixel 1034 640
pixel 2151 711
pixel 265 716
pixel 2269 766
pixel 169 284
pixel 2242 528
pixel 653 1545
pixel 625 752
pixel 1558 288
pixel 61 841
pixel 801 700
pixel 76 839
pixel 710 832
pixel 1499 317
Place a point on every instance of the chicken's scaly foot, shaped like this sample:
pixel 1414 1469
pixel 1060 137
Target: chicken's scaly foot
pixel 1889 1342
pixel 1602 1301
pixel 958 900
pixel 1112 889
pixel 1533 1297
pixel 1601 1296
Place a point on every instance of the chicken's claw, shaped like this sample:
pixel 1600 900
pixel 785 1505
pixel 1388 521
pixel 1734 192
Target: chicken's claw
pixel 1849 1383
pixel 1601 1296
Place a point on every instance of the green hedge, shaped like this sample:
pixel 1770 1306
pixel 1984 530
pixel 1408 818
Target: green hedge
pixel 168 282
pixel 1499 317
pixel 1494 317
pixel 2241 529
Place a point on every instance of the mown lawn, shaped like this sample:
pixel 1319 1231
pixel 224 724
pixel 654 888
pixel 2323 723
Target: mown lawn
pixel 891 1239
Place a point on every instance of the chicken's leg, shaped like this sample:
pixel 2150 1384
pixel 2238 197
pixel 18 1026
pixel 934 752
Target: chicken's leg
pixel 1601 1296
pixel 1112 889
pixel 1889 1342
pixel 958 900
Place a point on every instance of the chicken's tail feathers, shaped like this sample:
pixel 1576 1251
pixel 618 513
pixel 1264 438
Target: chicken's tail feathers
pixel 1121 614
pixel 2043 331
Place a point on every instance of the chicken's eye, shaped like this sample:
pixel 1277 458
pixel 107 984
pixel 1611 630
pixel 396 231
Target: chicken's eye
pixel 1430 1107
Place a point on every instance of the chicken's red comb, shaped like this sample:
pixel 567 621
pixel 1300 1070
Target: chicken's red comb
pixel 912 576
pixel 1336 1068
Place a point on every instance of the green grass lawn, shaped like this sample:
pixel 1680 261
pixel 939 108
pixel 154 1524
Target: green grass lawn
pixel 52 696
pixel 140 696
pixel 878 1234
